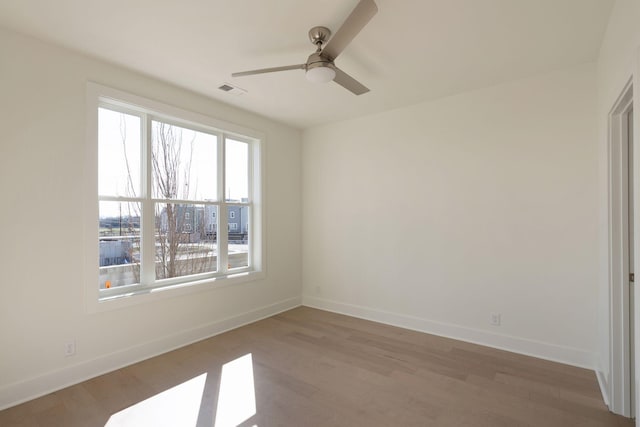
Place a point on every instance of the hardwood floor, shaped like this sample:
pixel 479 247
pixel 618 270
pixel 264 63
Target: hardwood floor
pixel 307 367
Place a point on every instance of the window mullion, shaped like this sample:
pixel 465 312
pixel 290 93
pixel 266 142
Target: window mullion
pixel 223 237
pixel 148 255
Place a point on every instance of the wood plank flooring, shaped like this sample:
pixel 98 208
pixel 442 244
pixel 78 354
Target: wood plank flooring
pixel 309 367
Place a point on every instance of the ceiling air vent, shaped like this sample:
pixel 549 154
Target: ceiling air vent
pixel 229 88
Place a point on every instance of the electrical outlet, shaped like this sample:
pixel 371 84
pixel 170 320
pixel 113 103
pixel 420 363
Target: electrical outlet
pixel 70 348
pixel 495 319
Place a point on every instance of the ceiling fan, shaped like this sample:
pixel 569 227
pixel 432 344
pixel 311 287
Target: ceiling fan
pixel 320 67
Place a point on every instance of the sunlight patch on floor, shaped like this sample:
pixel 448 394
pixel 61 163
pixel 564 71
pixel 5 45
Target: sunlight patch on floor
pixel 177 406
pixel 237 397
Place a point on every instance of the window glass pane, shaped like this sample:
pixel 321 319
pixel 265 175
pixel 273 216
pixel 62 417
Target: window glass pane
pixel 119 240
pixel 184 163
pixel 186 239
pixel 119 144
pixel 237 170
pixel 238 236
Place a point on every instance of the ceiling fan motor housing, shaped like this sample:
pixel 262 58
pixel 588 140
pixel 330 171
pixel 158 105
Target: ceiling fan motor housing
pixel 319 69
pixel 317 60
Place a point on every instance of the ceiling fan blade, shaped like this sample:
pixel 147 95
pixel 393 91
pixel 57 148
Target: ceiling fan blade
pixel 359 17
pixel 269 70
pixel 349 83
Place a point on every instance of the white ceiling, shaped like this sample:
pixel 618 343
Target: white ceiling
pixel 411 51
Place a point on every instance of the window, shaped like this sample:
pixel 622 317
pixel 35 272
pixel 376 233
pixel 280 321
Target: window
pixel 163 176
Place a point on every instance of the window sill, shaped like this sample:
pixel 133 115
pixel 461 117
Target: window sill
pixel 96 303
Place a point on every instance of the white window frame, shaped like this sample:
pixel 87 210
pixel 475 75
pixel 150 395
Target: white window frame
pixel 99 300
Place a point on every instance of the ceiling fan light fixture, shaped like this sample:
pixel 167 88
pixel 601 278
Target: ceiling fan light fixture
pixel 321 74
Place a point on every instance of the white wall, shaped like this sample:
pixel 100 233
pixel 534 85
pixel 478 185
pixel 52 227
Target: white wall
pixel 435 215
pixel 616 64
pixel 42 110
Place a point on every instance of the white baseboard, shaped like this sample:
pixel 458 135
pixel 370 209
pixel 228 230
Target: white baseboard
pixel 16 393
pixel 604 386
pixel 542 350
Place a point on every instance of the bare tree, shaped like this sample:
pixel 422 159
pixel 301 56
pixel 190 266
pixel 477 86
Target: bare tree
pixel 171 160
pixel 179 227
pixel 166 161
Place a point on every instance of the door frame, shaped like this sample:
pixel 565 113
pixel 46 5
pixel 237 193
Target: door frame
pixel 620 394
